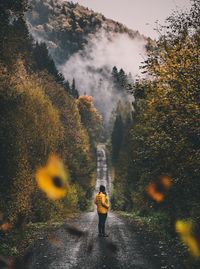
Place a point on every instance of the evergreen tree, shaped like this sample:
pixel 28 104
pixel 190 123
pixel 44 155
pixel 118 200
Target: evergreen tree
pixel 74 91
pixel 115 73
pixel 122 78
pixel 117 137
pixel 43 60
pixel 130 78
pixel 67 86
pixel 12 26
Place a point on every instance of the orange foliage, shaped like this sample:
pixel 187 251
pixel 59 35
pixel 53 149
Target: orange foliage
pixel 90 118
pixel 87 102
pixel 6 227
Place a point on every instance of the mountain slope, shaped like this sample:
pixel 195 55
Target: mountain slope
pixel 66 27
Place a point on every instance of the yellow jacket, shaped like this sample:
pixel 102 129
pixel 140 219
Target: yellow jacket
pixel 102 203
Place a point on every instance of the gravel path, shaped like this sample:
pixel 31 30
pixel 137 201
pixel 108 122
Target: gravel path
pixel 76 245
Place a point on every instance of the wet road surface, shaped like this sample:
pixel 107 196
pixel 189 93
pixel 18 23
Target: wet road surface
pixel 76 243
pixel 67 250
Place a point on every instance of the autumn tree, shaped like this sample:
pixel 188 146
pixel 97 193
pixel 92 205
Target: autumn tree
pixel 164 137
pixel 90 118
pixel 25 141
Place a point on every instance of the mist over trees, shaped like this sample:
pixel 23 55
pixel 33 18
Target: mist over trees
pixel 54 117
pixel 69 32
pixel 76 37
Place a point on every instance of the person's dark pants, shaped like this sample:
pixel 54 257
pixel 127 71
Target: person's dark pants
pixel 102 221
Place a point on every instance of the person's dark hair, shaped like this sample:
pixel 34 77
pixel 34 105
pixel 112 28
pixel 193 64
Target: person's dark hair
pixel 102 188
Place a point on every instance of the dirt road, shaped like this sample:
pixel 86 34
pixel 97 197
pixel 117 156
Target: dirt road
pixel 76 245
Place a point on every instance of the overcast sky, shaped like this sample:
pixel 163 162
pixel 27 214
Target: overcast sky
pixel 136 14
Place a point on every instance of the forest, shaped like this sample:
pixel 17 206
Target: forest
pixel 73 25
pixel 41 114
pixel 156 153
pixel 49 132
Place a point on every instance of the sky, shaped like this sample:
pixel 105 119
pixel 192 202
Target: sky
pixel 138 15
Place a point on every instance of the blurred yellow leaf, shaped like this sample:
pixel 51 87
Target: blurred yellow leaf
pixel 185 230
pixel 53 178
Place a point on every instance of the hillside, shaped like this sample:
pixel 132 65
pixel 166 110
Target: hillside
pixel 66 27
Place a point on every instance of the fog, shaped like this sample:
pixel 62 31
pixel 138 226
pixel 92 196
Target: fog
pixel 92 67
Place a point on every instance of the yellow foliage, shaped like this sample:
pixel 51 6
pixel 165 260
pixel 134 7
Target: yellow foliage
pixel 37 118
pixel 90 118
pixel 30 128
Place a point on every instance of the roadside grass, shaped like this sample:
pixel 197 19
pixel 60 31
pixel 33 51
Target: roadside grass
pixel 157 223
pixel 157 227
pixel 15 243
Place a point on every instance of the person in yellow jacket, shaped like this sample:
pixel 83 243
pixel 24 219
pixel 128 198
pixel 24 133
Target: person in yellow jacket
pixel 102 209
